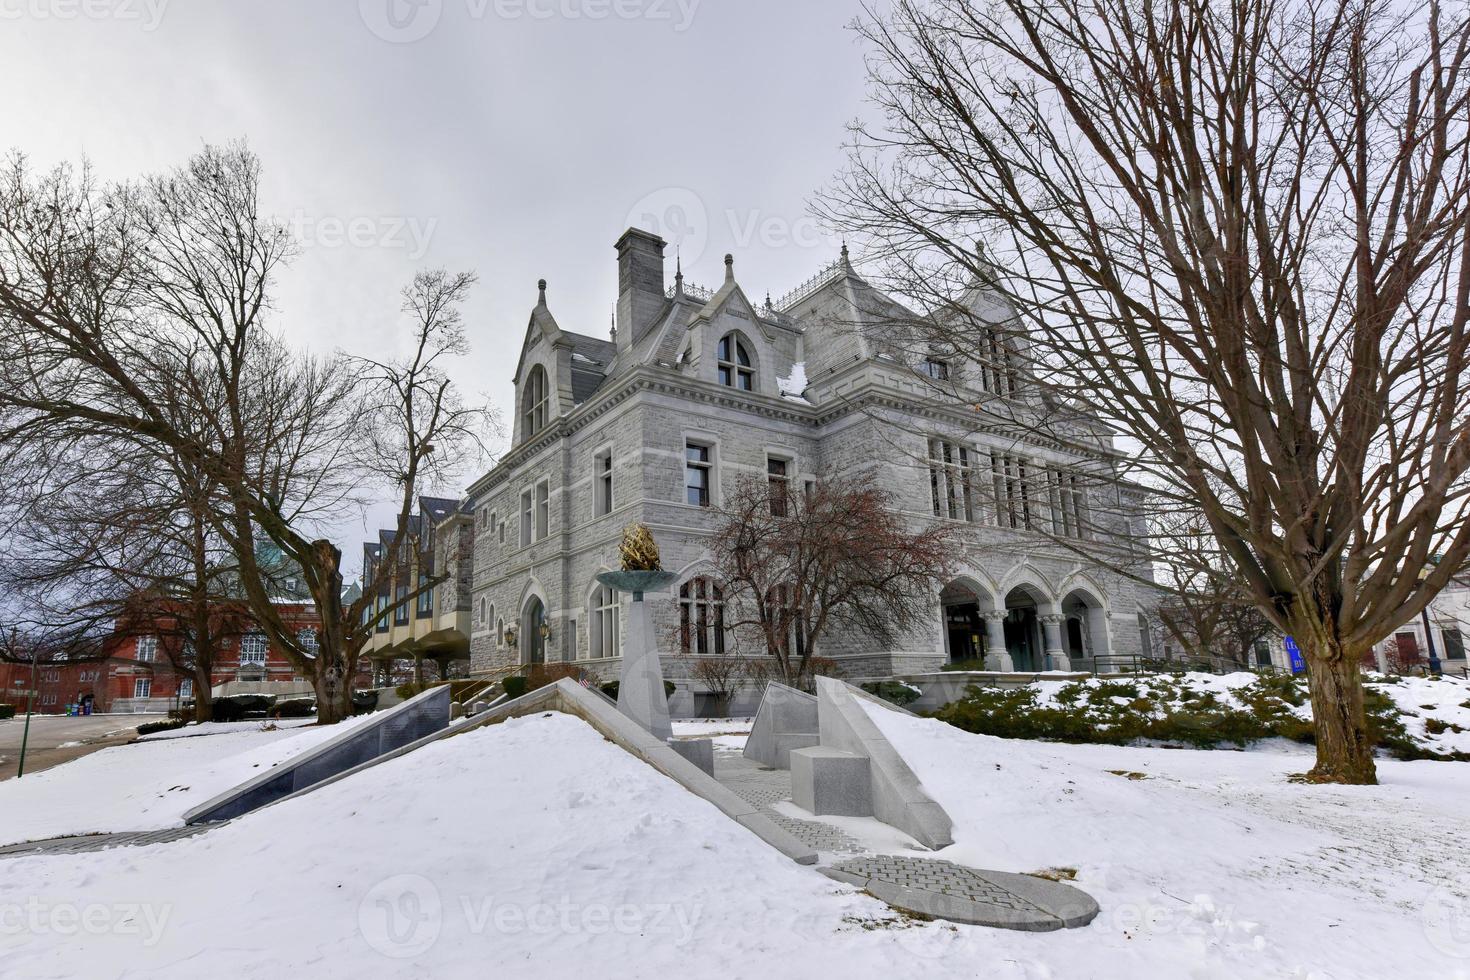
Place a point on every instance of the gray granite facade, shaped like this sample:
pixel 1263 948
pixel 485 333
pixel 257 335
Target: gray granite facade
pixel 812 381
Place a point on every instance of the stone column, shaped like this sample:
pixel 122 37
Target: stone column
pixel 997 657
pixel 641 684
pixel 1051 630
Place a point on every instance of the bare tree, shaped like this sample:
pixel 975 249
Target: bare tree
pixel 796 566
pixel 1236 234
pixel 139 312
pixel 102 540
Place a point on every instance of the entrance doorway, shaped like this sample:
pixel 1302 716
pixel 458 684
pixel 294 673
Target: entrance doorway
pixel 535 624
pixel 1023 631
pixel 964 632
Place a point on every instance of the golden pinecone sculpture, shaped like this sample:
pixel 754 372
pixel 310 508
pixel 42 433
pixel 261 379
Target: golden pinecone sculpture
pixel 638 550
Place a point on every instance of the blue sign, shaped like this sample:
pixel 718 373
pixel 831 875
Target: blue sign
pixel 1298 662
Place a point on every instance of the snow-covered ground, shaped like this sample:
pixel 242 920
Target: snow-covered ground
pixel 151 784
pixel 536 848
pixel 1211 863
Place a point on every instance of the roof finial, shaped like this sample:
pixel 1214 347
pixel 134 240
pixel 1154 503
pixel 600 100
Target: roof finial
pixel 846 264
pixel 612 331
pixel 729 267
pixel 541 287
pixel 678 272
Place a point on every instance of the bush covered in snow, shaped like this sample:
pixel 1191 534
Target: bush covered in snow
pixel 1411 718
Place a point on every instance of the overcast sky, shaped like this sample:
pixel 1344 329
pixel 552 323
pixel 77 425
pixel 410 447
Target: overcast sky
pixel 517 138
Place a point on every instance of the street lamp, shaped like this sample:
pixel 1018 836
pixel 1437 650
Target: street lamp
pixel 25 735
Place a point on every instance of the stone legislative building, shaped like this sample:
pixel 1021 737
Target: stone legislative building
pixel 695 387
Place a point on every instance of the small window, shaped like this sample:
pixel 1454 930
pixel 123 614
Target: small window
pixel 602 491
pixel 143 687
pixel 307 638
pixel 935 369
pixel 147 649
pixel 573 653
pixel 526 517
pixel 186 687
pixel 400 606
pixel 1454 645
pixel 733 364
pixel 697 474
pixel 534 403
pixel 779 480
pixel 543 510
pixel 425 600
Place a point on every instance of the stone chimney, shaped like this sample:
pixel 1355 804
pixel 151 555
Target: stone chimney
pixel 640 283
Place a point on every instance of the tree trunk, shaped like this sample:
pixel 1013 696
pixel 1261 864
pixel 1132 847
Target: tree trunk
pixel 333 690
pixel 203 697
pixel 1344 748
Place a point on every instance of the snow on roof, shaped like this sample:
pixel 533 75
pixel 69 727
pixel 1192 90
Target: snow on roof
pixel 793 387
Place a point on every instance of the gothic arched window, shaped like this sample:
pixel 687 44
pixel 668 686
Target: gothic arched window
pixel 735 368
pixel 534 402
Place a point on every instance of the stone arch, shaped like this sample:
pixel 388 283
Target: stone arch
pixel 1085 615
pixel 964 631
pixel 532 611
pixel 1031 580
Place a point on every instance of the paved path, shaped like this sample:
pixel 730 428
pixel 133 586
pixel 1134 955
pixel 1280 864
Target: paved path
pixel 924 886
pixel 762 787
pixel 56 739
pixel 84 843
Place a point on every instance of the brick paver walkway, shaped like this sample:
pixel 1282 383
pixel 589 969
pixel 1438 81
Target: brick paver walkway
pixel 926 886
pixel 762 787
pixel 97 842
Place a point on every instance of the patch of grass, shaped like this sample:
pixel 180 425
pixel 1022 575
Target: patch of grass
pixel 1054 874
pixel 1129 775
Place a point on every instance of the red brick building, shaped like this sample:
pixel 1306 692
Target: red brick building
pixel 57 685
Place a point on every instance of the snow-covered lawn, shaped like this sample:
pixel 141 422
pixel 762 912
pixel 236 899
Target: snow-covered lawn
pixel 536 848
pixel 1211 863
pixel 150 784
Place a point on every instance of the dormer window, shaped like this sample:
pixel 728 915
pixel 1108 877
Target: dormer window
pixel 534 402
pixel 734 364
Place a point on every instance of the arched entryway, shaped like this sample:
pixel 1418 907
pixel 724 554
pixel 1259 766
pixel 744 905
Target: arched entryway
pixel 1023 634
pixel 533 630
pixel 964 631
pixel 1084 626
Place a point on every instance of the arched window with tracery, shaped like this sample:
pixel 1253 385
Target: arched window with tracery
pixel 702 617
pixel 606 640
pixel 735 367
pixel 535 402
